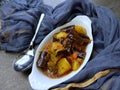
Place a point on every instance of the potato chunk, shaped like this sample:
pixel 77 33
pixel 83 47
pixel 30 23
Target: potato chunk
pixel 60 35
pixel 54 58
pixel 80 30
pixel 56 46
pixel 63 66
pixel 77 63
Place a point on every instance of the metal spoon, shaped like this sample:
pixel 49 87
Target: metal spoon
pixel 25 62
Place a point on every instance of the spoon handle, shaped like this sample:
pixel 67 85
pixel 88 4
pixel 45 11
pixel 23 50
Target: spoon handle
pixel 37 29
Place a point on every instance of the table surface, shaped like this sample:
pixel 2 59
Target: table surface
pixel 12 80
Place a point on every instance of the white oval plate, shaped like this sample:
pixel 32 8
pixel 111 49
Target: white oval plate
pixel 37 79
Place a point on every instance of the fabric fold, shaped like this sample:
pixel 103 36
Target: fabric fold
pixel 23 16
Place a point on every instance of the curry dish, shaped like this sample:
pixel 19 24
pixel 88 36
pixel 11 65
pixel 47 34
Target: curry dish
pixel 64 53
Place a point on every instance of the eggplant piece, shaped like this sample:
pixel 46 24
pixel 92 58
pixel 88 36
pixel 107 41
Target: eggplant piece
pixel 43 59
pixel 67 43
pixel 68 29
pixel 62 53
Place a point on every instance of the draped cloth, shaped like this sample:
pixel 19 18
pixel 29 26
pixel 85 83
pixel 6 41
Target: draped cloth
pixel 19 19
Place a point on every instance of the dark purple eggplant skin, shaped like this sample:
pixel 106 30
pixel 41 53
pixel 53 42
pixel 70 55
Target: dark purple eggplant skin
pixel 68 29
pixel 43 59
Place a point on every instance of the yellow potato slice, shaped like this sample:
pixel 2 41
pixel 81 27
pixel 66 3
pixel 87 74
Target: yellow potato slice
pixel 63 66
pixel 80 29
pixel 61 35
pixel 75 65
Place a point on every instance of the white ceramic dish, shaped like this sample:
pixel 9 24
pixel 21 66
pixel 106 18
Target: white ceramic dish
pixel 37 79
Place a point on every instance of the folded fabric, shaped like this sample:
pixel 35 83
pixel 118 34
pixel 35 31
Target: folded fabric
pixel 19 21
pixel 18 29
